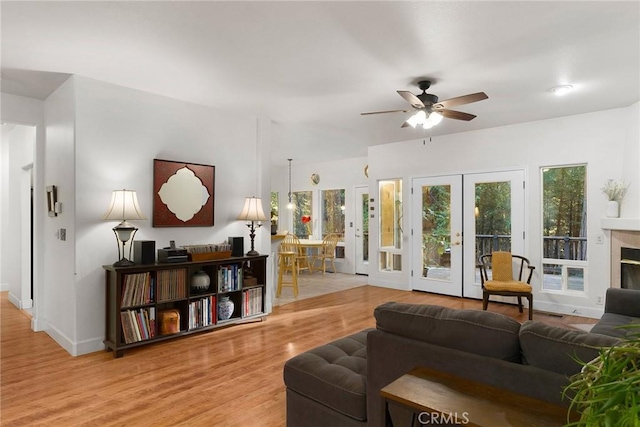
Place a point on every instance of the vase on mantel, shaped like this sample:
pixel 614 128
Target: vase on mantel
pixel 612 209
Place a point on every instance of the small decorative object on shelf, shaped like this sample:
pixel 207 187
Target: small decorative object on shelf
pixel 615 192
pixel 169 322
pixel 225 308
pixel 200 281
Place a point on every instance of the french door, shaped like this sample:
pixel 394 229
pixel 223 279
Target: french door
pixel 437 234
pixel 493 220
pixel 455 219
pixel 362 230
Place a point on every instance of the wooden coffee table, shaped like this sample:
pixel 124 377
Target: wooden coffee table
pixel 445 399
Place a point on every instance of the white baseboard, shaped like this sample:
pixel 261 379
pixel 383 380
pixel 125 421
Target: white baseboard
pixel 571 310
pixel 75 348
pixel 62 340
pixel 4 287
pixel 13 299
pixel 20 304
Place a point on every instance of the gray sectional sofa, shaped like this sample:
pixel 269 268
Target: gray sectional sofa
pixel 621 307
pixel 338 384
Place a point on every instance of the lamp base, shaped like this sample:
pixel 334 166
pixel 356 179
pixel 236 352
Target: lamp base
pixel 252 253
pixel 123 263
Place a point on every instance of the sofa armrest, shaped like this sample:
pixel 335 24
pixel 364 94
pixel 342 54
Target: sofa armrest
pixel 623 301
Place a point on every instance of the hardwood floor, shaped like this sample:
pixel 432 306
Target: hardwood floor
pixel 229 377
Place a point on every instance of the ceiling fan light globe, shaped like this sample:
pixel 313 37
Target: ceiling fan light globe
pixel 418 118
pixel 435 118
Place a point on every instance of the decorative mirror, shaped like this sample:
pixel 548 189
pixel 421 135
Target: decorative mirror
pixel 183 194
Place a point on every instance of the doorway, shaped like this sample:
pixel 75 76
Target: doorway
pixel 362 230
pixel 17 254
pixel 456 218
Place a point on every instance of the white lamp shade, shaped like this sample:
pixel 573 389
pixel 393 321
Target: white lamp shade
pixel 124 206
pixel 252 210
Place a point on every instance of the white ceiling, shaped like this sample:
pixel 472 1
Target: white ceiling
pixel 313 67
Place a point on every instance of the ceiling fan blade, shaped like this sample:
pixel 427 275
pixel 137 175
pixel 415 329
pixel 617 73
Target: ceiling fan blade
pixel 411 98
pixel 457 115
pixel 460 100
pixel 383 112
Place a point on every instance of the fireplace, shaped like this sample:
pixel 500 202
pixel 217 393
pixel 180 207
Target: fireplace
pixel 630 268
pixel 625 259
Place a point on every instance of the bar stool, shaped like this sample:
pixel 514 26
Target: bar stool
pixel 287 262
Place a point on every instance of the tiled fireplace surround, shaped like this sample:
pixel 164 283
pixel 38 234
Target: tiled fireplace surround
pixel 621 239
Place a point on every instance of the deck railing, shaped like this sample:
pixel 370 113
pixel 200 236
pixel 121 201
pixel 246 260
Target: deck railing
pixel 554 247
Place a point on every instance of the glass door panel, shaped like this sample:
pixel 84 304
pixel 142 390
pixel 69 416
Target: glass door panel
pixel 494 220
pixel 437 227
pixel 362 230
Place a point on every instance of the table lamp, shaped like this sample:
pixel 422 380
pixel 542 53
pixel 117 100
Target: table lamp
pixel 252 212
pixel 124 206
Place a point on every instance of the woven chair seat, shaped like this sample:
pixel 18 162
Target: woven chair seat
pixel 508 286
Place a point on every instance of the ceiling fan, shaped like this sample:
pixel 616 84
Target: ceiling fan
pixel 428 111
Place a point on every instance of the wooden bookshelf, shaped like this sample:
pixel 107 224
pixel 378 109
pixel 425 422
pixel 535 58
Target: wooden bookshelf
pixel 155 302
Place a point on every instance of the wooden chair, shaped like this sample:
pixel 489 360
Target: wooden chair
pixel 292 244
pixel 288 262
pixel 502 282
pixel 328 251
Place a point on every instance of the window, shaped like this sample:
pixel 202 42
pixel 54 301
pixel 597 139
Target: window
pixel 302 221
pixel 332 212
pixel 564 228
pixel 390 217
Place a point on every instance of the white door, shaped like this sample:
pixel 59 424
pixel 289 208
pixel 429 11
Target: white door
pixel 493 219
pixel 362 230
pixel 436 234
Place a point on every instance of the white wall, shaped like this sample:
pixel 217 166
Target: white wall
pixel 597 139
pixel 345 173
pixel 59 298
pixel 119 132
pixel 630 207
pixel 29 112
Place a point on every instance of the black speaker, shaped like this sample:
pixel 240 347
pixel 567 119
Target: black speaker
pixel 237 246
pixel 144 251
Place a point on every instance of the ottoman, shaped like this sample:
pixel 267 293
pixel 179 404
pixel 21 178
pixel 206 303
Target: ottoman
pixel 326 386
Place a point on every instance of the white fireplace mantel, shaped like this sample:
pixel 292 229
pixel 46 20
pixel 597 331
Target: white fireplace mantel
pixel 627 224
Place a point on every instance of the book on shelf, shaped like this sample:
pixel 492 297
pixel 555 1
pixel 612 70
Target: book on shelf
pixel 229 278
pixel 138 325
pixel 252 302
pixel 172 284
pixel 202 312
pixel 137 289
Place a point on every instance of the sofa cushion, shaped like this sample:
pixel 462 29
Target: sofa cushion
pixel 556 349
pixel 479 332
pixel 333 374
pixel 611 324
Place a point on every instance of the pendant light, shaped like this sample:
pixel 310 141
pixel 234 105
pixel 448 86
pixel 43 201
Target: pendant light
pixel 290 204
